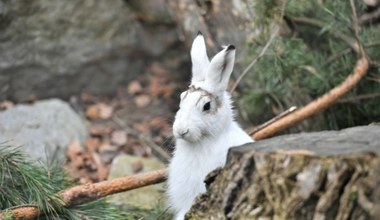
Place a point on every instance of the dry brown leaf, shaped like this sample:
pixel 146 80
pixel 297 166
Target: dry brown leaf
pixel 158 70
pixel 92 112
pixel 74 149
pixel 142 127
pixel 142 101
pixel 167 91
pixel 4 105
pixel 155 86
pixel 102 169
pixel 92 144
pixel 134 87
pixel 99 110
pixel 105 111
pixel 100 129
pixel 160 126
pixel 119 137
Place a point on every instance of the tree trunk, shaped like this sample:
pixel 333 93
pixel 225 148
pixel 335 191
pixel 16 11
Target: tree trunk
pixel 324 175
pixel 221 22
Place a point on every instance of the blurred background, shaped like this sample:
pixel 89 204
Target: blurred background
pixel 97 83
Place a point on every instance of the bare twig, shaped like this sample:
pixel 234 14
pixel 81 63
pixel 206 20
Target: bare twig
pixel 356 28
pixel 262 52
pixel 85 193
pixel 254 61
pixel 271 121
pixel 319 104
pixel 161 153
pixel 355 22
pixel 368 17
pixel 360 97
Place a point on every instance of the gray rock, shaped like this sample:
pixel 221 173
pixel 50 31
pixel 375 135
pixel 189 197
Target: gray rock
pixel 43 129
pixel 54 48
pixel 148 197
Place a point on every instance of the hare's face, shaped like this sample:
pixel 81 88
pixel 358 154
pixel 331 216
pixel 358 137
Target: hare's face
pixel 198 116
pixel 205 108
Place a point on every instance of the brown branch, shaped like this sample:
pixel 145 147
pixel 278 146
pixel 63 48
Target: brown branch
pixel 89 192
pixel 319 104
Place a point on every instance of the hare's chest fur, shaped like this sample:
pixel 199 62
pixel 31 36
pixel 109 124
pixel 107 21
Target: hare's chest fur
pixel 191 164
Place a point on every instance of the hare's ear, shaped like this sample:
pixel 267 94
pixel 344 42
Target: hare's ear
pixel 199 59
pixel 220 69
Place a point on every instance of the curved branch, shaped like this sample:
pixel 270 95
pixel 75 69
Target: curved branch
pixel 319 104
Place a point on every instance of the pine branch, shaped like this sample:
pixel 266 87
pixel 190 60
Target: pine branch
pixel 336 33
pixel 319 104
pixel 89 192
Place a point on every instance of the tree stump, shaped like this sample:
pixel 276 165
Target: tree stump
pixel 322 175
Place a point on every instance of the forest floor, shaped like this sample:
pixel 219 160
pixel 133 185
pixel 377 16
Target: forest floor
pixel 136 121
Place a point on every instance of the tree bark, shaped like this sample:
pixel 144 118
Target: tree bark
pixel 221 22
pixel 322 175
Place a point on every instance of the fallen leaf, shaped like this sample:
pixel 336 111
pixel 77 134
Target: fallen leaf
pixel 158 69
pixel 167 91
pixel 87 98
pixel 142 101
pixel 119 137
pixel 105 111
pixel 100 129
pixel 4 105
pixel 74 149
pixel 142 127
pixel 99 110
pixel 101 168
pixel 92 144
pixel 160 126
pixel 93 112
pixel 134 87
pixel 155 86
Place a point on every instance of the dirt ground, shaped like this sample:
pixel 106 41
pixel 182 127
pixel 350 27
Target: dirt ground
pixel 136 121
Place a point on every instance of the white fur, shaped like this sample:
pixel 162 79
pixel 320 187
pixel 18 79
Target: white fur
pixel 202 137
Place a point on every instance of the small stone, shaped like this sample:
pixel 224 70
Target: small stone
pixel 143 198
pixel 43 129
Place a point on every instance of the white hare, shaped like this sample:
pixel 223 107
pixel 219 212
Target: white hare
pixel 204 126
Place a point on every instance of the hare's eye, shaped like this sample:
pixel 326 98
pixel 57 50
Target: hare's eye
pixel 207 106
